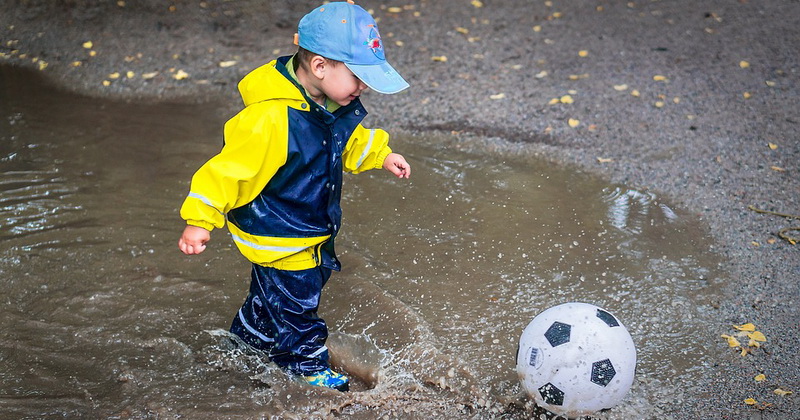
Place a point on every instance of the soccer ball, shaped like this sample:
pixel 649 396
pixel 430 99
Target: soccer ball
pixel 575 359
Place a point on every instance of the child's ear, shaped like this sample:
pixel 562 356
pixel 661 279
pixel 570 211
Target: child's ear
pixel 317 65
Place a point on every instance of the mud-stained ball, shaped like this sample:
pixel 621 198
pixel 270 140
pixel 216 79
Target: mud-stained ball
pixel 576 359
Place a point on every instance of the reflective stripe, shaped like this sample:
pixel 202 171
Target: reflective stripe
pixel 366 149
pixel 252 330
pixel 205 201
pixel 268 247
pixel 318 352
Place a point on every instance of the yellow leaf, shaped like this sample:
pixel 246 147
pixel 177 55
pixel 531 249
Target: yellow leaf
pixel 554 101
pixel 753 343
pixel 659 104
pixel 745 327
pixel 746 95
pixel 659 78
pixel 566 99
pixel 87 45
pixel 750 401
pixel 477 3
pixel 744 64
pixel 42 65
pixel 557 15
pixel 760 377
pixel 744 352
pixel 537 28
pixel 772 146
pixel 439 58
pixel 106 83
pixel 394 9
pixel 114 76
pixel 541 74
pixel 180 75
pixel 755 243
pixel 620 88
pixel 635 93
pixel 76 64
pixel 498 96
pixel 777 169
pixel 770 83
pixel 583 53
pixel 732 341
pixel 130 75
pixel 782 392
pixel 462 30
pixel 228 63
pixel 676 100
pixel 92 53
pixel 757 335
pixel 147 76
pixel 604 160
pixel 573 122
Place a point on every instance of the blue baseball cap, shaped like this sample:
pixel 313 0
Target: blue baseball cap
pixel 345 32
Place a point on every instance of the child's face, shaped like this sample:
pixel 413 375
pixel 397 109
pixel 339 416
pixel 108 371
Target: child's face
pixel 340 84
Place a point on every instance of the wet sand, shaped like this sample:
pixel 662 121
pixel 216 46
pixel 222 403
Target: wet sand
pixel 717 84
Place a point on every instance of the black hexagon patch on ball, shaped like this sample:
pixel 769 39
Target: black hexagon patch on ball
pixel 552 395
pixel 558 333
pixel 603 372
pixel 607 318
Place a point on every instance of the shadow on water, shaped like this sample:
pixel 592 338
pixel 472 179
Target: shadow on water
pixel 103 316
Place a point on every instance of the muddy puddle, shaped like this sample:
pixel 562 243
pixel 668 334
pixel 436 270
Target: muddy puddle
pixel 104 317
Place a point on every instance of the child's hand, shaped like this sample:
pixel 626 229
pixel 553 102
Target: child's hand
pixel 193 240
pixel 397 165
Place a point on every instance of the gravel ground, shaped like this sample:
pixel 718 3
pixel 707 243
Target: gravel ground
pixel 697 101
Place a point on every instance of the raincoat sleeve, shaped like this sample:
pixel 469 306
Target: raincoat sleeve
pixel 366 149
pixel 255 148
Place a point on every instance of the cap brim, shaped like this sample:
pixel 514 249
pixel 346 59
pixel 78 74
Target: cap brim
pixel 381 78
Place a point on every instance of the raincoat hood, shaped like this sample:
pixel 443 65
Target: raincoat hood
pixel 268 82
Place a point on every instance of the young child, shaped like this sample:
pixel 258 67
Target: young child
pixel 277 180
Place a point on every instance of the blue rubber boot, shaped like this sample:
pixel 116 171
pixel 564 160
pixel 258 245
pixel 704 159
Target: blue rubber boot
pixel 329 379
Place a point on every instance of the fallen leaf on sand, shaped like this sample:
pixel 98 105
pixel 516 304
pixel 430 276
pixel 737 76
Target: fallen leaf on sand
pixel 87 45
pixel 782 392
pixel 573 122
pixel 745 327
pixel 620 88
pixel 604 160
pixel 760 377
pixel 180 75
pixel 147 76
pixel 772 146
pixel 498 96
pixel 659 78
pixel 439 58
pixel 744 64
pixel 566 99
pixel 777 169
pixel 228 63
pixel 732 341
pixel 750 401
pixel 757 336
